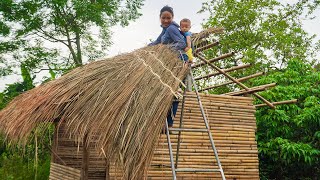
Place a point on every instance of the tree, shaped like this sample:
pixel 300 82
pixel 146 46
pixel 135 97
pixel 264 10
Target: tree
pixel 262 32
pixel 30 29
pixel 269 35
pixel 288 136
pixel 31 33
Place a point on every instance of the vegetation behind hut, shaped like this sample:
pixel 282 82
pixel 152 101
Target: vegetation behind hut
pixel 270 35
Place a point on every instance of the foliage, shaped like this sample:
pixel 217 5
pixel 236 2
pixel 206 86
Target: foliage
pixel 28 162
pixel 288 135
pixel 269 35
pixel 266 33
pixel 57 35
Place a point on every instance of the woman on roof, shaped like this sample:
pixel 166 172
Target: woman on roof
pixel 171 34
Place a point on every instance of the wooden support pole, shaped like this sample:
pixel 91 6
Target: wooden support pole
pixel 225 70
pixel 85 158
pixel 206 47
pixel 230 82
pixel 55 157
pixel 55 143
pixel 200 44
pixel 223 56
pixel 279 103
pixel 251 90
pixel 233 79
pixel 107 170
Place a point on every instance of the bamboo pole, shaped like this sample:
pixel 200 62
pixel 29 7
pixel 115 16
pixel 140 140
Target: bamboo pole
pixel 251 90
pixel 201 43
pixel 215 59
pixel 230 82
pixel 279 103
pixel 85 159
pixel 233 79
pixel 225 70
pixel 206 47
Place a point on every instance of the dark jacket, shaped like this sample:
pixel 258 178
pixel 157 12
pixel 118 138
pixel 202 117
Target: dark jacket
pixel 171 35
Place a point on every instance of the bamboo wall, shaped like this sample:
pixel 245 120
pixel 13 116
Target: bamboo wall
pixel 233 126
pixel 67 152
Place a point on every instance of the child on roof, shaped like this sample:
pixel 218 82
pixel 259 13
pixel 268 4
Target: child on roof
pixel 185 25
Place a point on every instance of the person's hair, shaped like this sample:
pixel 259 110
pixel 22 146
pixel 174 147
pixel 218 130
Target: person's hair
pixel 166 8
pixel 185 20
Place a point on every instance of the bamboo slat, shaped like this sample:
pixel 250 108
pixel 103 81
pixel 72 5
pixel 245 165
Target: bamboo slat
pixel 215 59
pixel 231 82
pixel 207 46
pixel 225 70
pixel 251 90
pixel 279 103
pixel 61 172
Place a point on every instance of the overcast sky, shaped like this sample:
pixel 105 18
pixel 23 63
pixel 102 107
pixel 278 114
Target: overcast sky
pixel 147 27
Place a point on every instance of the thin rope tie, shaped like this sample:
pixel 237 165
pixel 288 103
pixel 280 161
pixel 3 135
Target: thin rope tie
pixel 150 52
pixel 155 74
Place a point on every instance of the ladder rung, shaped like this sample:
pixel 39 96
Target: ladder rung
pixel 188 130
pixel 196 170
pixel 190 96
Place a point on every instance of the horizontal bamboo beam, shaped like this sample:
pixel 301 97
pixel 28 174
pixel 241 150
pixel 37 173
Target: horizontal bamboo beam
pixel 206 47
pixel 251 90
pixel 233 79
pixel 214 59
pixel 201 43
pixel 225 70
pixel 230 82
pixel 279 103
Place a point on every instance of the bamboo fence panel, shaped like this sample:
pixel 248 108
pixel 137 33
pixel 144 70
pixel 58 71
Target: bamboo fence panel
pixel 61 172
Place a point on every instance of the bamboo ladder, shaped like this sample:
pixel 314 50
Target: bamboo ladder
pixel 174 165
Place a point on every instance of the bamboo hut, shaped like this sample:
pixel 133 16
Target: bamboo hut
pixel 108 116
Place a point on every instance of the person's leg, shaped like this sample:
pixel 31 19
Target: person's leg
pixel 184 57
pixel 172 113
pixel 188 82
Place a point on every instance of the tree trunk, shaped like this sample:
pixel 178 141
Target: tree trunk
pixel 79 56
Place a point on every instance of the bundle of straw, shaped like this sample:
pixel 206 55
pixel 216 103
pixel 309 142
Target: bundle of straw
pixel 120 104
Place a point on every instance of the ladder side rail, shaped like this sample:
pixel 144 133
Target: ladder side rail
pixel 207 126
pixel 171 153
pixel 180 126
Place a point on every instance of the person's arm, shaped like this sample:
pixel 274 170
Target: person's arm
pixel 177 37
pixel 188 43
pixel 158 40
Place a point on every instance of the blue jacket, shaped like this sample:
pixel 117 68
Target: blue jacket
pixel 171 35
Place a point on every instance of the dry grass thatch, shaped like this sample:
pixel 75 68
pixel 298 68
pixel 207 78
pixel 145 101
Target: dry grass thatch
pixel 206 33
pixel 120 104
pixel 199 39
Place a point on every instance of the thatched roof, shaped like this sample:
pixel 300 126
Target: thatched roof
pixel 120 104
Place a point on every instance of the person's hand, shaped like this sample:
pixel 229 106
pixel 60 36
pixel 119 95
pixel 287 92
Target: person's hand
pixel 186 49
pixel 186 64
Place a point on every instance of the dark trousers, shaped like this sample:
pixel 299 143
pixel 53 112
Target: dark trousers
pixel 172 112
